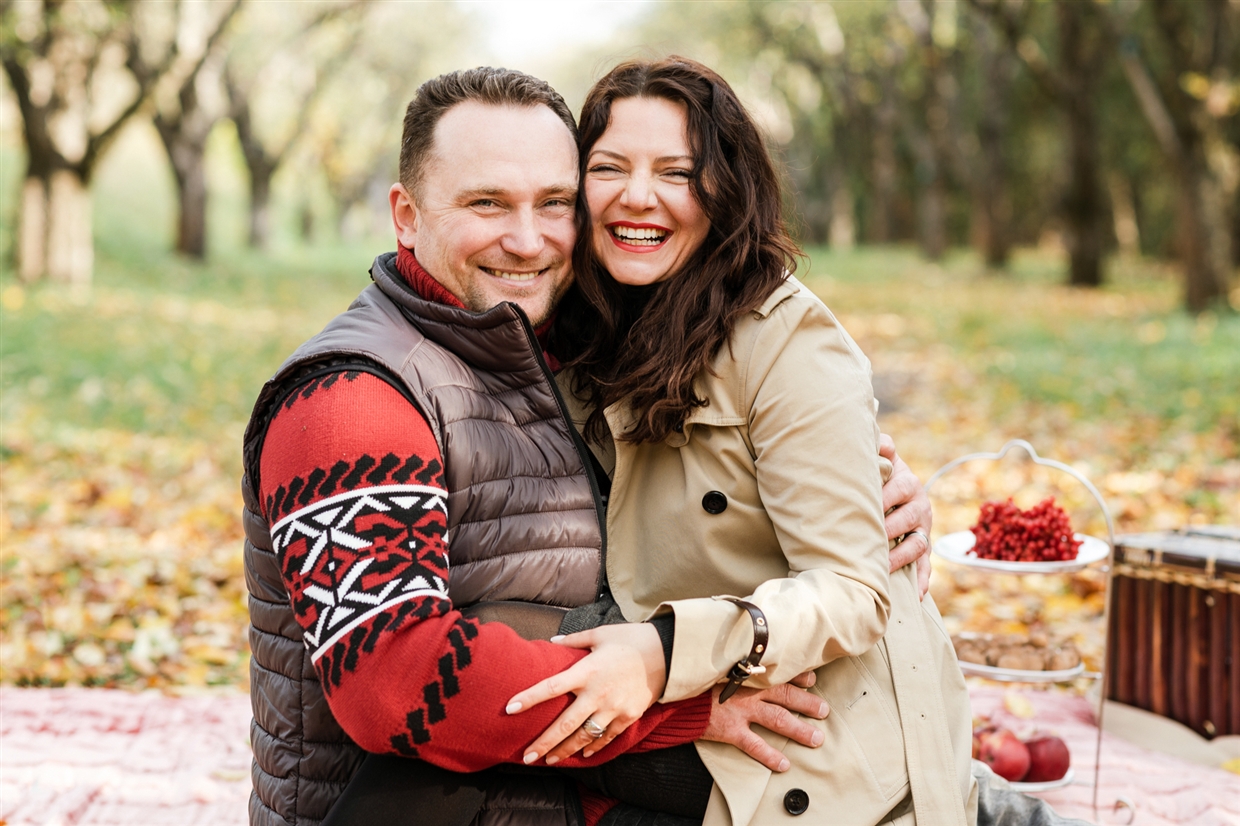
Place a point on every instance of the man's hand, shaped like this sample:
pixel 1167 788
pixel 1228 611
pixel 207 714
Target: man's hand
pixel 614 685
pixel 908 508
pixel 772 708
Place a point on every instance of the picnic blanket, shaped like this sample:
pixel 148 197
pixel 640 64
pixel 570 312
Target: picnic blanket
pixel 99 756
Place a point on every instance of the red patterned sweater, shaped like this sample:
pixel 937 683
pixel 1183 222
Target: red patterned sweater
pixel 352 485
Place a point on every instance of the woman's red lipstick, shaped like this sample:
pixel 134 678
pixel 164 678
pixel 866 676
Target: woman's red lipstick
pixel 631 243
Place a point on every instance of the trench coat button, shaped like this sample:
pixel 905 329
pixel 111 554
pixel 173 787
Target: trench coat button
pixel 796 801
pixel 715 502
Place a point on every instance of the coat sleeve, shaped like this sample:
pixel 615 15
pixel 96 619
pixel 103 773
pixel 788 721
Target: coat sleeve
pixel 814 442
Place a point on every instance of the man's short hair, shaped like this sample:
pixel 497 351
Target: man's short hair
pixel 497 87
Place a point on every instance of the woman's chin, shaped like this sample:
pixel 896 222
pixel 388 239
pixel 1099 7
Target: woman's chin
pixel 633 274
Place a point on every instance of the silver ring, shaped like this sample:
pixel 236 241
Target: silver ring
pixel 925 537
pixel 593 729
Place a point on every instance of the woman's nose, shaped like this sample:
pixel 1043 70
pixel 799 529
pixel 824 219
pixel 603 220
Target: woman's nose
pixel 639 194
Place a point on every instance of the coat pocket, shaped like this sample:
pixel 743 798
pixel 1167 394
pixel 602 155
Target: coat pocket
pixel 860 691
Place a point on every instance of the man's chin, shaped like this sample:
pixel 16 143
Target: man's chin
pixel 536 307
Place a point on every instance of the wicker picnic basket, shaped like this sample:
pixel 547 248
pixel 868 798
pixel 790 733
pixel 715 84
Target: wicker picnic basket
pixel 1174 642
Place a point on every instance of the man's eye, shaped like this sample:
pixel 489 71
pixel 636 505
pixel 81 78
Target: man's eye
pixel 484 203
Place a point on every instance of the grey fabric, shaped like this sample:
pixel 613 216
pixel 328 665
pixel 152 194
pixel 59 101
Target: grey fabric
pixel 998 804
pixel 522 515
pixel 584 617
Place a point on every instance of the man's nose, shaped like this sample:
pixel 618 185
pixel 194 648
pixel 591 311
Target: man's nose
pixel 639 195
pixel 524 237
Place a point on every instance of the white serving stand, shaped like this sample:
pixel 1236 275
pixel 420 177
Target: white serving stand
pixel 1093 551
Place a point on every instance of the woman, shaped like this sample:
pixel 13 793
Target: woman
pixel 736 419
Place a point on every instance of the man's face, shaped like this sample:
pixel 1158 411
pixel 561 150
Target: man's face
pixel 492 218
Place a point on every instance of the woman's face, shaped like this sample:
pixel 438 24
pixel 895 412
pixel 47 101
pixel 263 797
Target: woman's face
pixel 647 222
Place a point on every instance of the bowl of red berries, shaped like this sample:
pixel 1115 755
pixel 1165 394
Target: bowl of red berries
pixel 1037 540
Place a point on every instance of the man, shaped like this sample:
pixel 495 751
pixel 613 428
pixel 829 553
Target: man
pixel 424 425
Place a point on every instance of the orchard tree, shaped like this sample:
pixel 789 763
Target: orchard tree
pixel 79 71
pixel 1181 62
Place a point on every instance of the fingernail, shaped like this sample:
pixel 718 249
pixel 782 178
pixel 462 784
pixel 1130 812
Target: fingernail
pixel 816 739
pixel 557 638
pixel 784 765
pixel 586 753
pixel 513 707
pixel 824 710
pixel 551 761
pixel 530 758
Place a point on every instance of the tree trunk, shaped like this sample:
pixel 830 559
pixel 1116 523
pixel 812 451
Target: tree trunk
pixel 932 217
pixel 842 232
pixel 188 159
pixel 1083 205
pixel 1124 213
pixel 993 212
pixel 1235 230
pixel 885 172
pixel 1204 238
pixel 260 206
pixel 184 136
pixel 55 238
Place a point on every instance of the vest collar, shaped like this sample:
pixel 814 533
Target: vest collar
pixel 498 340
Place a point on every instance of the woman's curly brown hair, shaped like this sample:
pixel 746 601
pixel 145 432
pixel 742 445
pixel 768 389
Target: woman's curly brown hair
pixel 646 344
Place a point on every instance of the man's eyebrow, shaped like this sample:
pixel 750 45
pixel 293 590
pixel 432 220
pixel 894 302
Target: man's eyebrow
pixel 496 192
pixel 481 192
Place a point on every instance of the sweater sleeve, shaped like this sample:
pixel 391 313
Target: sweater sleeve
pixel 352 485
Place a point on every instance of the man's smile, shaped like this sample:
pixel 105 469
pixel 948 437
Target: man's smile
pixel 513 276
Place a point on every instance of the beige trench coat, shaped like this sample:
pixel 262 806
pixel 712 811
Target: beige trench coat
pixel 790 439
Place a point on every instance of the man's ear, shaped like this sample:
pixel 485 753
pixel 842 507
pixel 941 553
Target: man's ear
pixel 404 216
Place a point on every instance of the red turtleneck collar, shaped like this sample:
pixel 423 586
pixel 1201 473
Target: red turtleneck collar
pixel 425 285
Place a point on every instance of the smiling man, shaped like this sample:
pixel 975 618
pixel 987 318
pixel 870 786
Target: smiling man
pixel 423 425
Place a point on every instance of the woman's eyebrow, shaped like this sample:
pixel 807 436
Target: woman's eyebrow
pixel 608 153
pixel 660 159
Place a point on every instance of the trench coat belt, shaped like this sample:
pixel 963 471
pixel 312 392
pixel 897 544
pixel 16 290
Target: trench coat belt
pixel 923 717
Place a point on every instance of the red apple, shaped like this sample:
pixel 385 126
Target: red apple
pixel 1007 756
pixel 980 728
pixel 1048 759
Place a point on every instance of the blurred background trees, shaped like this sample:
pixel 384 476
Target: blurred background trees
pixel 1102 128
pixel 220 169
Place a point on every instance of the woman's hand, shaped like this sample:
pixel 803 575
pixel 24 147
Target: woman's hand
pixel 614 685
pixel 771 708
pixel 908 508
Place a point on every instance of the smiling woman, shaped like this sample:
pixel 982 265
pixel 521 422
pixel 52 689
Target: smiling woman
pixel 645 218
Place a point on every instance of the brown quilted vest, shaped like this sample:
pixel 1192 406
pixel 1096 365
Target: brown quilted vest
pixel 523 515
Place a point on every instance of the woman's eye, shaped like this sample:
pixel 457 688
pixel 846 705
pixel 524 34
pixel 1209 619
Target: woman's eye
pixel 601 168
pixel 683 174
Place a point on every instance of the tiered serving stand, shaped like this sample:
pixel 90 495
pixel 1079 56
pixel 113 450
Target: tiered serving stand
pixel 955 547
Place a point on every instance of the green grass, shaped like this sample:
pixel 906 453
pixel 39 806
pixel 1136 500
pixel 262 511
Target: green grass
pixel 1121 352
